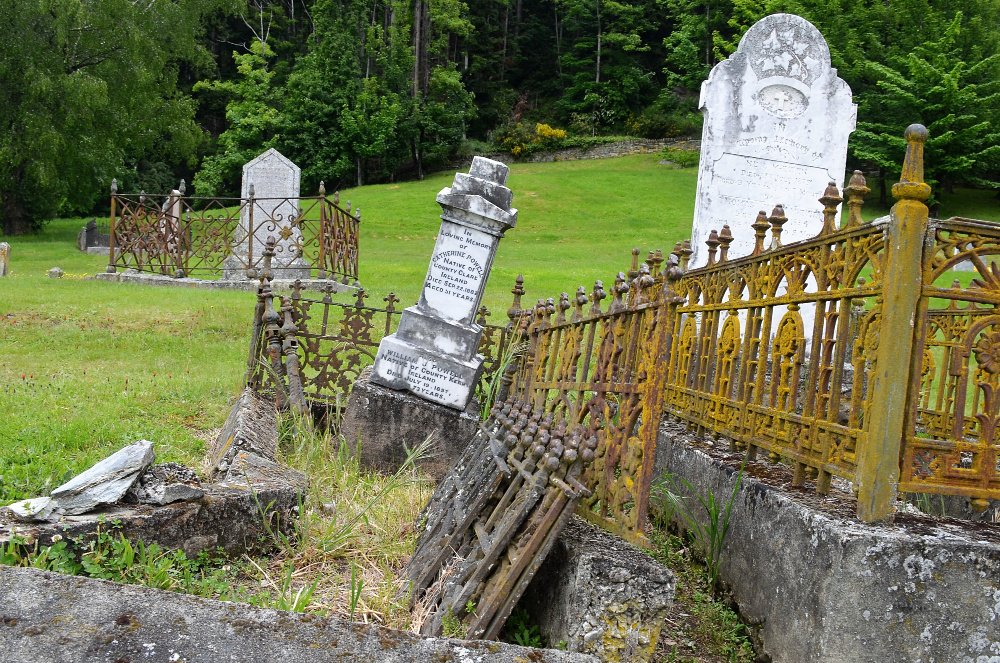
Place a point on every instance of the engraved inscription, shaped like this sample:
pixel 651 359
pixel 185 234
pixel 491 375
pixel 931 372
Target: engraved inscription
pixel 423 375
pixel 782 101
pixel 457 270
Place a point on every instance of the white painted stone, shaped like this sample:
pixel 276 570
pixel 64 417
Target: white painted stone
pixel 56 273
pixel 777 120
pixel 105 482
pixel 4 258
pixel 434 352
pixel 275 180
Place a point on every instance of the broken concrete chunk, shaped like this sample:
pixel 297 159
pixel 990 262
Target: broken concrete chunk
pixel 106 482
pixel 36 508
pixel 165 484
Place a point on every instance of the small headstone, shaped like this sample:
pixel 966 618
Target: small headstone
pixel 165 484
pixel 106 482
pixel 777 120
pixel 4 258
pixel 274 180
pixel 81 239
pixel 55 273
pixel 434 352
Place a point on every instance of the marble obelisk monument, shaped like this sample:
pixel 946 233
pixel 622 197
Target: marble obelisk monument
pixel 434 352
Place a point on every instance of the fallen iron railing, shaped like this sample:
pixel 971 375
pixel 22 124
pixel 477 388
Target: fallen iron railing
pixel 334 341
pixel 178 235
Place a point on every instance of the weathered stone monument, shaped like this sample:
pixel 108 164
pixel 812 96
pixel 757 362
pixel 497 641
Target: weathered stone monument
pixel 777 120
pixel 270 194
pixel 434 353
pixel 4 258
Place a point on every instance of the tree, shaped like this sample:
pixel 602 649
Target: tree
pixel 85 87
pixel 956 101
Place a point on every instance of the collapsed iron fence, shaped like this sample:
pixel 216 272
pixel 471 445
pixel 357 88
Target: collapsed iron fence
pixel 179 235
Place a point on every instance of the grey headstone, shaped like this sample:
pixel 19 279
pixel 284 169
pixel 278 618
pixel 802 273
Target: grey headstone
pixel 434 352
pixel 4 258
pixel 165 484
pixel 106 482
pixel 275 180
pixel 777 120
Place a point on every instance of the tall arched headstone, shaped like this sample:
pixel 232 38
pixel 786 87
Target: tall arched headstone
pixel 777 120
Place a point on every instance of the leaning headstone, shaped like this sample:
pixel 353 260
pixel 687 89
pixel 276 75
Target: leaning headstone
pixel 777 120
pixel 4 258
pixel 270 196
pixel 56 273
pixel 434 352
pixel 106 482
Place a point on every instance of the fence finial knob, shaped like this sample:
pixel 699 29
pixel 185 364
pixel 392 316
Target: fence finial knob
pixel 856 191
pixel 725 239
pixel 182 188
pixel 713 245
pixel 322 188
pixel 830 199
pixel 114 185
pixel 911 185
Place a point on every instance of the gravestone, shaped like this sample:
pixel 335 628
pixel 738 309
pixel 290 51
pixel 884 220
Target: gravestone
pixel 270 195
pixel 4 258
pixel 434 352
pixel 777 120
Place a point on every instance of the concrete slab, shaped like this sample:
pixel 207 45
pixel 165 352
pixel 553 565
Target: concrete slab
pixel 47 617
pixel 247 285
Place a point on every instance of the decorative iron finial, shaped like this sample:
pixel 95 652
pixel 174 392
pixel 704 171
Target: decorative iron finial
pixel 114 185
pixel 596 296
pixel 911 185
pixel 391 300
pixel 713 246
pixel 760 227
pixel 856 191
pixel 268 254
pixel 297 289
pixel 831 198
pixel 657 261
pixel 322 189
pixel 348 205
pixel 514 312
pixel 564 306
pixel 634 269
pixel 645 281
pixel 686 252
pixel 182 189
pixel 481 314
pixel 336 197
pixel 328 293
pixel 579 302
pixel 619 289
pixel 777 220
pixel 725 239
pixel 142 196
pixel 360 296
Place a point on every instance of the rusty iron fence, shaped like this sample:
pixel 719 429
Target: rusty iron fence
pixel 843 355
pixel 179 235
pixel 334 341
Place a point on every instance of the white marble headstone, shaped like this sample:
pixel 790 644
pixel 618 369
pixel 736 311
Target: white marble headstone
pixel 272 175
pixel 777 120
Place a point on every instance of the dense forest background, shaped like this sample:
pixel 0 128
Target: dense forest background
pixel 364 91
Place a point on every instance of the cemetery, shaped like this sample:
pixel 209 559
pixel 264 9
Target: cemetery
pixel 768 434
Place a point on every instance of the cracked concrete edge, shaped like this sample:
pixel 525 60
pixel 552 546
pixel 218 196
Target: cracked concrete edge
pixel 47 617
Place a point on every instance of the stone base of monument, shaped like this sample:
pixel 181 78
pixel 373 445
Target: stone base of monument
pixel 234 269
pixel 386 423
pixel 600 595
pixel 51 617
pixel 817 584
pixel 247 285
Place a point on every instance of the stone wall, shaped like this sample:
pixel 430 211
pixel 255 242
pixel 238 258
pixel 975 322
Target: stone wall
pixel 605 151
pixel 817 584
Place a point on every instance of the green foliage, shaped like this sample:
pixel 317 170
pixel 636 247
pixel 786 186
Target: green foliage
pixel 956 100
pixel 452 626
pixel 89 89
pixel 711 535
pixel 520 630
pixel 681 157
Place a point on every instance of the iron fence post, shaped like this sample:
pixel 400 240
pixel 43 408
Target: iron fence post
pixel 111 269
pixel 878 457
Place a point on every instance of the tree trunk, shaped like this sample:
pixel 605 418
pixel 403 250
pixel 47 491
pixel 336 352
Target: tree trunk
pixel 555 10
pixel 883 195
pixel 360 182
pixel 15 216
